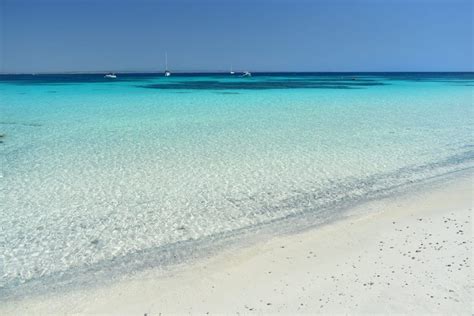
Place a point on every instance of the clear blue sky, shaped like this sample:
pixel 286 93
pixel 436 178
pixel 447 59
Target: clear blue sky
pixel 210 35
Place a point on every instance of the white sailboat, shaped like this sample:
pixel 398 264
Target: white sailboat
pixel 231 71
pixel 167 72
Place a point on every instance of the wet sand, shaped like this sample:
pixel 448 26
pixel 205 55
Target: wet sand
pixel 412 254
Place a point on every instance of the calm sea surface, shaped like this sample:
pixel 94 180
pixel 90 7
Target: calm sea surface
pixel 97 173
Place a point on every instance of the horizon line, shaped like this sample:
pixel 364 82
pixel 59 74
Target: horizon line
pixel 225 72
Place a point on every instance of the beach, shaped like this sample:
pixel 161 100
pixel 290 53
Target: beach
pixel 205 192
pixel 236 158
pixel 406 254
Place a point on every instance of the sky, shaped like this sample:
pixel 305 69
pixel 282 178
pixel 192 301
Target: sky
pixel 253 35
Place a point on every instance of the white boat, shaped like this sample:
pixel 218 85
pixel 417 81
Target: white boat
pixel 167 72
pixel 231 71
pixel 246 74
pixel 110 76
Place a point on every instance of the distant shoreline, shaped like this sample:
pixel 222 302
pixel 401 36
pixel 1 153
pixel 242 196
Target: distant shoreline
pixel 98 72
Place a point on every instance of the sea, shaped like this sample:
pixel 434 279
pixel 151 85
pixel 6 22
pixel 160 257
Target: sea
pixel 102 177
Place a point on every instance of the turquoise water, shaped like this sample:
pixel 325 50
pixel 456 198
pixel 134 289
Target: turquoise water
pixel 96 171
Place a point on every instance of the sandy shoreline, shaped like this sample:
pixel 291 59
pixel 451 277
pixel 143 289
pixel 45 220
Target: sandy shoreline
pixel 412 254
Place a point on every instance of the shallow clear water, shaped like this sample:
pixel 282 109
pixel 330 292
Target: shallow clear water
pixel 94 170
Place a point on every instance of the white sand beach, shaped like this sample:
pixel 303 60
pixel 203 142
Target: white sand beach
pixel 412 254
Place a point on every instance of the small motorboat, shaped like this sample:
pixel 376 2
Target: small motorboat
pixel 110 76
pixel 246 74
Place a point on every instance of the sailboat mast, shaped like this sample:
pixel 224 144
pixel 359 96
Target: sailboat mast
pixel 167 72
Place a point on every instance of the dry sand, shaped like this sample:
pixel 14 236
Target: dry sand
pixel 412 254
